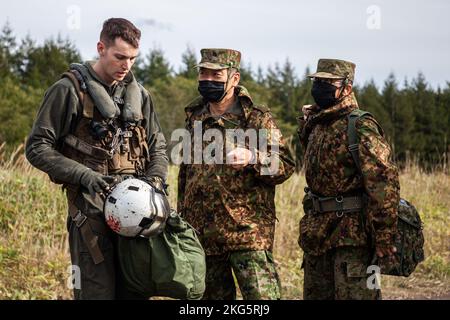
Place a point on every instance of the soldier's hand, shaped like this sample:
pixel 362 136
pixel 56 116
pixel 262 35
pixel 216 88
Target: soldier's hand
pixel 157 183
pixel 96 182
pixel 239 157
pixel 385 251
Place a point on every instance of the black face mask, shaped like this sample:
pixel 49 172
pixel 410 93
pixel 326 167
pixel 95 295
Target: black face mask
pixel 324 94
pixel 212 91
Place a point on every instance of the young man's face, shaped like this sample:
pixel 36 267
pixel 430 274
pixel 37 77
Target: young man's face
pixel 116 59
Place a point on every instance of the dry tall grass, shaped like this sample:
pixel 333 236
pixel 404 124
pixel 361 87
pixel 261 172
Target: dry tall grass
pixel 34 258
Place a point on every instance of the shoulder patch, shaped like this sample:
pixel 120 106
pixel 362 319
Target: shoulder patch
pixel 191 106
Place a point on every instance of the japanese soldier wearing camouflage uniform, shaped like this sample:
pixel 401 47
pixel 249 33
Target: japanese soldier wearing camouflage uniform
pixel 231 204
pixel 350 212
pixel 97 126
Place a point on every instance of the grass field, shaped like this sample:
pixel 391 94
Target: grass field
pixel 34 257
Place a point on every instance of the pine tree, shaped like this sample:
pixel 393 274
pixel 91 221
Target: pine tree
pixel 415 118
pixel 401 115
pixel 284 100
pixel 445 114
pixel 369 99
pixel 424 133
pixel 189 60
pixel 8 47
pixel 43 65
pixel 260 79
pixel 154 67
pixel 441 122
pixel 246 74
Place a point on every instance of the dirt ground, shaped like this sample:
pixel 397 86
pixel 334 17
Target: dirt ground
pixel 415 289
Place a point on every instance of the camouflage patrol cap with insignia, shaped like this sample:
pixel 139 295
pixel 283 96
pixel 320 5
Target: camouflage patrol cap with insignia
pixel 334 69
pixel 217 59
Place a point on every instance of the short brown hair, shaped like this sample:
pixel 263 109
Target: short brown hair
pixel 118 27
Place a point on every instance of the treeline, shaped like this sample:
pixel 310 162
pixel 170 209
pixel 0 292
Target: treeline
pixel 415 117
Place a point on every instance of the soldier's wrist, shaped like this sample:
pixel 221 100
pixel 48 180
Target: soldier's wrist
pixel 255 160
pixel 84 176
pixel 156 182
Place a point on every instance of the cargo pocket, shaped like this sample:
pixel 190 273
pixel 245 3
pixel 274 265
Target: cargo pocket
pixel 352 263
pixel 356 269
pixel 114 162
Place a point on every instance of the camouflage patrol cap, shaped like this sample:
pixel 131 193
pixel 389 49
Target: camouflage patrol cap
pixel 334 69
pixel 217 59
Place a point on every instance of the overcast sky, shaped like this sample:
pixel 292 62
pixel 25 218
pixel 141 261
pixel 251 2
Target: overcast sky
pixel 382 36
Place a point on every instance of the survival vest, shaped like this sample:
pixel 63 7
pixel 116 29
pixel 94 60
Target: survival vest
pixel 108 136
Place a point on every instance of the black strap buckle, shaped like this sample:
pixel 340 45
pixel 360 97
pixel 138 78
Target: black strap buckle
pixel 119 100
pixel 340 205
pixel 127 134
pixel 79 219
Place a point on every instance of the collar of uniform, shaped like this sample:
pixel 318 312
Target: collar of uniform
pixel 245 100
pixel 318 116
pixel 347 105
pixel 90 66
pixel 235 108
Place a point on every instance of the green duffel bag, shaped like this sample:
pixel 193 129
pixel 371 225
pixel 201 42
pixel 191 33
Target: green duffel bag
pixel 171 264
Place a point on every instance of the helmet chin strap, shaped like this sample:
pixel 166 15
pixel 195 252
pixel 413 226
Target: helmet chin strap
pixel 226 85
pixel 344 85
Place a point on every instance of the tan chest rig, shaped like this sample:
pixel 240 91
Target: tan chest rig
pixel 108 146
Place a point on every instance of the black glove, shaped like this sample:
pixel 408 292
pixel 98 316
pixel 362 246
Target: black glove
pixel 157 183
pixel 96 182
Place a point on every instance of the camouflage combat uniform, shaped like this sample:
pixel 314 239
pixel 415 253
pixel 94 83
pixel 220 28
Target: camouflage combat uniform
pixel 63 113
pixel 338 247
pixel 234 210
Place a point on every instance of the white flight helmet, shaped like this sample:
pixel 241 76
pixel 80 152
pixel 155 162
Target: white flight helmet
pixel 134 208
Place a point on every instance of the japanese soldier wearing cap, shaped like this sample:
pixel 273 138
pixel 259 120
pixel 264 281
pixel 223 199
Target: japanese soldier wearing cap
pixel 350 212
pixel 231 203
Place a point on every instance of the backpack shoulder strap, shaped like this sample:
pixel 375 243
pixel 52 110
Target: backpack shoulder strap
pixel 80 88
pixel 71 76
pixel 353 139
